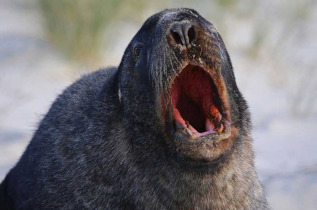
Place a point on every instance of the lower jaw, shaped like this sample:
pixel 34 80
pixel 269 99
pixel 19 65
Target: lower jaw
pixel 193 135
pixel 207 148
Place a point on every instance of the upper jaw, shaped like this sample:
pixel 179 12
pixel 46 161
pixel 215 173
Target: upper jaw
pixel 196 105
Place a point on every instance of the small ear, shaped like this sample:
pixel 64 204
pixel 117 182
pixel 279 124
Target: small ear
pixel 120 95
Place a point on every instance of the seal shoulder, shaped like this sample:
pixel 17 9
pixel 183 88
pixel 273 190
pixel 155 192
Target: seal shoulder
pixel 83 93
pixel 92 82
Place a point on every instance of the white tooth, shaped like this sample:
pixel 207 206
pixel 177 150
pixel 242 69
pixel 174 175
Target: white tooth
pixel 191 135
pixel 209 125
pixel 220 117
pixel 219 130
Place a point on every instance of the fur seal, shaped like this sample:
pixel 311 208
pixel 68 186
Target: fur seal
pixel 167 129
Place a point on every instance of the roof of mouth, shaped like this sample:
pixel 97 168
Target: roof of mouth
pixel 194 98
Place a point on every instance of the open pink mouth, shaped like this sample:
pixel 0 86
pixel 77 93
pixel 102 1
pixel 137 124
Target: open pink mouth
pixel 196 103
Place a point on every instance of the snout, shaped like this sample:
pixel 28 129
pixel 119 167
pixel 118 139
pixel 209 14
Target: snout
pixel 183 33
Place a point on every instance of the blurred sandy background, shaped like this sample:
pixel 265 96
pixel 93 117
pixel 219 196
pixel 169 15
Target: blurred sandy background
pixel 45 45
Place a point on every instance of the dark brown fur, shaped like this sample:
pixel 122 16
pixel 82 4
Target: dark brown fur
pixel 108 141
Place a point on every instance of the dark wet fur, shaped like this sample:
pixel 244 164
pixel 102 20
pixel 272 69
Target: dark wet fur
pixel 94 150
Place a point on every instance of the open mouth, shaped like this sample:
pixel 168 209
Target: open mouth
pixel 197 107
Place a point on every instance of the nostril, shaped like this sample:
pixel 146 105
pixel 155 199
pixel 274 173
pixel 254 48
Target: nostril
pixel 176 37
pixel 183 33
pixel 191 34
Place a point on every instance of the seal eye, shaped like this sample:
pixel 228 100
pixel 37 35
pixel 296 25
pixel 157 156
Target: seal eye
pixel 137 50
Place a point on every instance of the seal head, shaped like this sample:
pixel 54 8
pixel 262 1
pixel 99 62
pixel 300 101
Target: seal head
pixel 182 70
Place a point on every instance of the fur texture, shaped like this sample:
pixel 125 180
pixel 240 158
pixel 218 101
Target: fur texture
pixel 105 145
